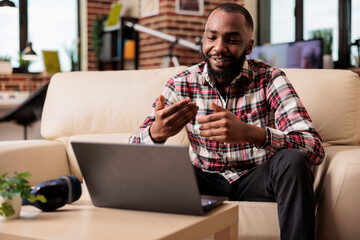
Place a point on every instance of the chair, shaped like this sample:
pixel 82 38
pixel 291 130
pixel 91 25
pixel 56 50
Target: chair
pixel 28 111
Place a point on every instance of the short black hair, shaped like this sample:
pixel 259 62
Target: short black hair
pixel 235 8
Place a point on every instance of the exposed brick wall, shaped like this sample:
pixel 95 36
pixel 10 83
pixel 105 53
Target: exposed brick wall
pixel 152 49
pixel 19 82
pixel 187 27
pixel 95 8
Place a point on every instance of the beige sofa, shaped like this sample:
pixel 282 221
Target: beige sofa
pixel 110 106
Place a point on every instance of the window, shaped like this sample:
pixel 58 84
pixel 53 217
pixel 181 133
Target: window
pixel 309 15
pixel 355 31
pixel 9 28
pixel 51 25
pixel 282 21
pixel 317 17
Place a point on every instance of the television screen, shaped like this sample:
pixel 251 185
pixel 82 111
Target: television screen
pixel 299 54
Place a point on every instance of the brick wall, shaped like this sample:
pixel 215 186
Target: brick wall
pixel 22 82
pixel 95 8
pixel 152 49
pixel 188 27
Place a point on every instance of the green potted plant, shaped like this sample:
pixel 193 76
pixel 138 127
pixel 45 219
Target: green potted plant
pixel 327 36
pixel 12 190
pixel 73 53
pixel 5 65
pixel 96 33
pixel 23 64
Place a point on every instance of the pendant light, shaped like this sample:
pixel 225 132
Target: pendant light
pixel 28 54
pixel 7 3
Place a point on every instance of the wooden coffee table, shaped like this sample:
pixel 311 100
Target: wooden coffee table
pixel 81 220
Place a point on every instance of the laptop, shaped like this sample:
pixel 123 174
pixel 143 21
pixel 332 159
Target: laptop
pixel 142 177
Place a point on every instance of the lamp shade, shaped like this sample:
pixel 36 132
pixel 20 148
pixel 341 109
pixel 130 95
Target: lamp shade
pixel 7 3
pixel 28 53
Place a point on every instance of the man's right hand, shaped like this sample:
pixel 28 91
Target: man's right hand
pixel 171 119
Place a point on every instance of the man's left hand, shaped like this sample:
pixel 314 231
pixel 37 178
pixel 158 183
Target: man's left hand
pixel 223 126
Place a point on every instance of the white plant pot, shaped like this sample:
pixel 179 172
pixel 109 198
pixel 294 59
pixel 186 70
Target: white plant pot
pixel 328 62
pixel 5 68
pixel 357 61
pixel 16 203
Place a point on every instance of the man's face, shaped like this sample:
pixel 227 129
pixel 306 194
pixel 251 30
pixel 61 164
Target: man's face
pixel 227 40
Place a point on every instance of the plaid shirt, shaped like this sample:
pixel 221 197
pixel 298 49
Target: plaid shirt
pixel 261 95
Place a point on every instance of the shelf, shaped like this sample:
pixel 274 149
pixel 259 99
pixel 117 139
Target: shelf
pixel 112 51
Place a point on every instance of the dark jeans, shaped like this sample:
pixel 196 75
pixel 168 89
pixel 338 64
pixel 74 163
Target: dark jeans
pixel 285 178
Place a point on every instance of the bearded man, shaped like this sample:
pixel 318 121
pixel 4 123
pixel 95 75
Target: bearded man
pixel 251 138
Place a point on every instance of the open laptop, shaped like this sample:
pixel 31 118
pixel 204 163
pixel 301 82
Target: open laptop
pixel 142 177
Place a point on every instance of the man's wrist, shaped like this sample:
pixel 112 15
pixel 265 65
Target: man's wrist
pixel 154 139
pixel 267 138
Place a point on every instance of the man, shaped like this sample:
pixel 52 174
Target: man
pixel 251 138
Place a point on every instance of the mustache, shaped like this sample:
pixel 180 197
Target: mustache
pixel 220 55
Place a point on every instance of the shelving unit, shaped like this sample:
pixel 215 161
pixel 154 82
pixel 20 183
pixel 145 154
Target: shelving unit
pixel 112 51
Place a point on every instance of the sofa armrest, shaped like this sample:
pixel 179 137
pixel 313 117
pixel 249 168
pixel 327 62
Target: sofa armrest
pixel 337 193
pixel 44 159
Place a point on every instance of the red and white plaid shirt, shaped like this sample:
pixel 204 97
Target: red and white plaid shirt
pixel 261 95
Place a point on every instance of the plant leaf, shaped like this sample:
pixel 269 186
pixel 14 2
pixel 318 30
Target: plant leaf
pixel 24 175
pixel 6 209
pixel 18 185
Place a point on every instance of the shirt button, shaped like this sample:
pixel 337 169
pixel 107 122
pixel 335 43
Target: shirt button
pixel 278 145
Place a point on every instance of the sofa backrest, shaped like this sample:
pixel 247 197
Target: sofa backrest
pixel 118 101
pixel 332 99
pixel 101 102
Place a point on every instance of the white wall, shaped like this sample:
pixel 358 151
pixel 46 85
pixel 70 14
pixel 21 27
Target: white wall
pixel 132 8
pixel 83 35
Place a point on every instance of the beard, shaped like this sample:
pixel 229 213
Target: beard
pixel 232 71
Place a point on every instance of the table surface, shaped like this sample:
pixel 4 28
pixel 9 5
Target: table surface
pixel 9 100
pixel 81 220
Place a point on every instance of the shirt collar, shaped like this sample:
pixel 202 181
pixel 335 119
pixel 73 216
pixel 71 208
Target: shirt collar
pixel 245 72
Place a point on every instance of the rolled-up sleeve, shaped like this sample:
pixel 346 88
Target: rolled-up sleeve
pixel 293 127
pixel 143 133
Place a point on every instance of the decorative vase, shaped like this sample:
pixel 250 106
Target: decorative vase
pixel 5 68
pixel 328 62
pixel 357 61
pixel 16 203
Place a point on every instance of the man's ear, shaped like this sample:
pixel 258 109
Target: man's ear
pixel 250 47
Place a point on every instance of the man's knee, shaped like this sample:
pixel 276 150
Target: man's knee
pixel 292 161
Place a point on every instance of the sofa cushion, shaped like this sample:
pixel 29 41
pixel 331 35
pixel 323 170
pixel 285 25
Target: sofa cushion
pixel 332 98
pixel 42 158
pixel 101 102
pixel 337 193
pixel 258 220
pixel 119 101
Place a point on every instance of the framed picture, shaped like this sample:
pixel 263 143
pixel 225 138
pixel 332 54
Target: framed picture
pixel 113 19
pixel 149 8
pixel 190 7
pixel 51 61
